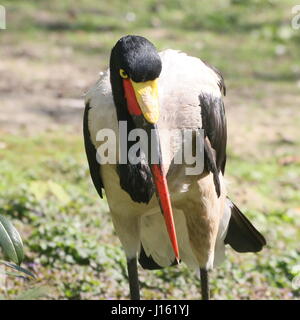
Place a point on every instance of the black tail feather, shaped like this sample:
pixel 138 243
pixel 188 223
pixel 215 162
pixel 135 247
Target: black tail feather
pixel 242 235
pixel 148 262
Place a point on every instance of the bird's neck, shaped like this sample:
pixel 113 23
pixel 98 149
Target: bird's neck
pixel 135 179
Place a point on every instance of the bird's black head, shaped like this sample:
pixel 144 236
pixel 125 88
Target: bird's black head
pixel 137 57
pixel 135 66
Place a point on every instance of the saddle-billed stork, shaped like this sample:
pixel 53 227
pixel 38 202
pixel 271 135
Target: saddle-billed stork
pixel 191 218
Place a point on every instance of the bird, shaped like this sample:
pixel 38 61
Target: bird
pixel 163 214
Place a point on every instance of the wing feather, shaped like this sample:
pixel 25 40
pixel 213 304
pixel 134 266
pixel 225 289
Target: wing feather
pixel 91 153
pixel 215 133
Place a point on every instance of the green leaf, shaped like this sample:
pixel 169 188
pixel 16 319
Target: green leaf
pixel 18 268
pixel 13 274
pixel 10 241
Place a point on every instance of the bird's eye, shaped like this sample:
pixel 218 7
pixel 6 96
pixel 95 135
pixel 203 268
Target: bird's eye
pixel 123 74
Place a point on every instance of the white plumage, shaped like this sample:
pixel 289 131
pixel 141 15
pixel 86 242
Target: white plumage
pixel 181 81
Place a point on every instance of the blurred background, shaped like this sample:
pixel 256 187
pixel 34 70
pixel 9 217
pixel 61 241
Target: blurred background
pixel 53 51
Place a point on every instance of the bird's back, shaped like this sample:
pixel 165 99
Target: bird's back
pixel 183 79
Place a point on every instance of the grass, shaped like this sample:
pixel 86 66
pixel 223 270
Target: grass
pixel 51 52
pixel 60 216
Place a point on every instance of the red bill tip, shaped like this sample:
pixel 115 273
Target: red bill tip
pixel 165 204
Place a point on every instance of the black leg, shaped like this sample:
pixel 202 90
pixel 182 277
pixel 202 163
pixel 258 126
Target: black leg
pixel 204 284
pixel 133 279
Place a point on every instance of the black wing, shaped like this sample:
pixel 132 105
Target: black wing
pixel 91 153
pixel 215 134
pixel 242 236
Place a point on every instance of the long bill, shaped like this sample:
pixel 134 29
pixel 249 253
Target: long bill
pixel 163 196
pixel 142 104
